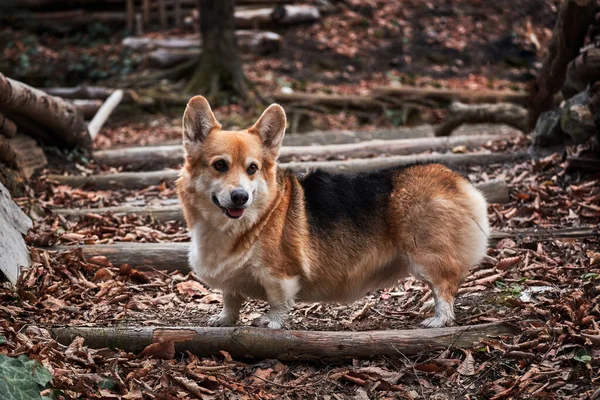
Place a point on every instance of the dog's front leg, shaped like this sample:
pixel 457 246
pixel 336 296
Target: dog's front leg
pixel 230 313
pixel 280 295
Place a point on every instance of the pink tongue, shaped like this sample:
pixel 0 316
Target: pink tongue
pixel 235 212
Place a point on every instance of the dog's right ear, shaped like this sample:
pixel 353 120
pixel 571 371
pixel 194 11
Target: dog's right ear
pixel 198 122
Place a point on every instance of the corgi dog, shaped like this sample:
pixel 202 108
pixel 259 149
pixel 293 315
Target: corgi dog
pixel 259 231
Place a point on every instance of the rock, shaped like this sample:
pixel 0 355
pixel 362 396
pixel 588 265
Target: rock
pixel 576 118
pixel 548 131
pixel 15 224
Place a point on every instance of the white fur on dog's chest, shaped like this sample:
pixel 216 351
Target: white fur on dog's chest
pixel 210 258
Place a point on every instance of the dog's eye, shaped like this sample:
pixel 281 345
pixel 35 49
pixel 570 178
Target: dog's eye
pixel 252 169
pixel 220 165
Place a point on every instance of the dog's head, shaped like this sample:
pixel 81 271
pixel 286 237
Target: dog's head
pixel 233 172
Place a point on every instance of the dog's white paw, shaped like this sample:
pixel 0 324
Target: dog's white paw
pixel 222 319
pixel 436 322
pixel 265 322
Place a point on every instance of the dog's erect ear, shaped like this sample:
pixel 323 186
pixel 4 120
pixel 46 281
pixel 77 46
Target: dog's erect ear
pixel 270 127
pixel 198 122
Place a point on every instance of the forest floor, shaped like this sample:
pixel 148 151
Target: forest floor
pixel 548 288
pixel 362 44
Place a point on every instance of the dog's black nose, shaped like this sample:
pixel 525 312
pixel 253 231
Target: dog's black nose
pixel 239 197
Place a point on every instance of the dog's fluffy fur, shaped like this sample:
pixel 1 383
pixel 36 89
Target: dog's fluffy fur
pixel 320 237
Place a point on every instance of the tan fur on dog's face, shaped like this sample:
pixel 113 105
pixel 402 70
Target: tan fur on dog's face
pixel 248 157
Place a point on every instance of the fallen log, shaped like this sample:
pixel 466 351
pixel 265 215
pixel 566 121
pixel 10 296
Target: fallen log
pixel 104 112
pixel 587 164
pixel 281 15
pixel 123 180
pixel 247 40
pixel 166 58
pixel 86 92
pixel 87 108
pixel 174 256
pixel 501 113
pixel 159 213
pixel 7 127
pixel 62 4
pixel 582 71
pixel 568 36
pixel 370 164
pixel 420 131
pixel 157 156
pixel 15 224
pixel 448 96
pixel 244 18
pixel 23 154
pixel 55 118
pixel 132 180
pixel 494 192
pixel 384 147
pixel 546 234
pixel 250 342
pixel 329 100
pixel 65 19
pixel 170 53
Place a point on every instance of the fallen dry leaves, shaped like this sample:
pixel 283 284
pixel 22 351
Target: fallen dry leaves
pixel 548 288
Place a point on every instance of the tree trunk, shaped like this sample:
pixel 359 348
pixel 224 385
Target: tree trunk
pixel 250 342
pixel 572 22
pixel 220 68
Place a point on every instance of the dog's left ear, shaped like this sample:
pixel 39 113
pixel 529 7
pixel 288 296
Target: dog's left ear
pixel 270 127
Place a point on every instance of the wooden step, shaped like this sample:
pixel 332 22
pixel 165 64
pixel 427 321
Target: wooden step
pixel 161 156
pixel 174 256
pixel 137 180
pixel 494 192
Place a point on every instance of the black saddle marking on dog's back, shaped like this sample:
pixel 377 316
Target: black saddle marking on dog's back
pixel 357 198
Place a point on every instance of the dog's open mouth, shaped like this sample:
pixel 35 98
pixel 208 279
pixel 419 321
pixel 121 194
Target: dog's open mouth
pixel 234 213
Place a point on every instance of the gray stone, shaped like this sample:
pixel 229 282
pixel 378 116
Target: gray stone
pixel 13 225
pixel 576 118
pixel 548 131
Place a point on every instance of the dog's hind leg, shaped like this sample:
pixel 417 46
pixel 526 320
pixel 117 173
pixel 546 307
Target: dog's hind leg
pixel 230 313
pixel 444 280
